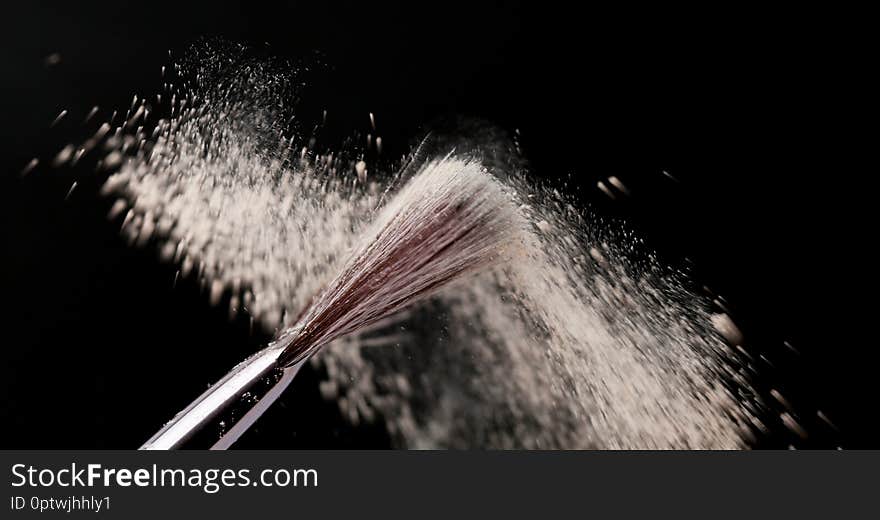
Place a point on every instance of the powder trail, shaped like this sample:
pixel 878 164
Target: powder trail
pixel 567 344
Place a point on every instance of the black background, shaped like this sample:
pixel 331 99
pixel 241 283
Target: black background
pixel 758 114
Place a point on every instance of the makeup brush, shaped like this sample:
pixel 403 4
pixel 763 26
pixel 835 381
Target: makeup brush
pixel 452 219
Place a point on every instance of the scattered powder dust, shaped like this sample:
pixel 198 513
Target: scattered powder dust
pixel 235 201
pixel 552 351
pixel 572 344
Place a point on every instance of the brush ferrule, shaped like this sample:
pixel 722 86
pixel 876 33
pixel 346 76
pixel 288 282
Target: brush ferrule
pixel 212 402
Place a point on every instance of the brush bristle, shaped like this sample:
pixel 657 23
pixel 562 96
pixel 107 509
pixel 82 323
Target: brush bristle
pixel 451 220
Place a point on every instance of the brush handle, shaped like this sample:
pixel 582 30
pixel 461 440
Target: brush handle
pixel 224 394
